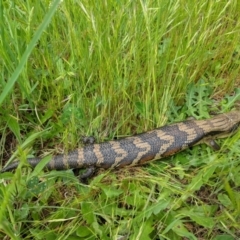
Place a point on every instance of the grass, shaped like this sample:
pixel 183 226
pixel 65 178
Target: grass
pixel 113 69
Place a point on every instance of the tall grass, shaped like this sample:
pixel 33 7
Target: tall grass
pixel 108 69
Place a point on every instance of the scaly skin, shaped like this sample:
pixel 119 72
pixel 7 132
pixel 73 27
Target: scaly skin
pixel 140 149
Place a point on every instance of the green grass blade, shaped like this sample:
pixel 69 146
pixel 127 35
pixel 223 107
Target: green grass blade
pixel 28 51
